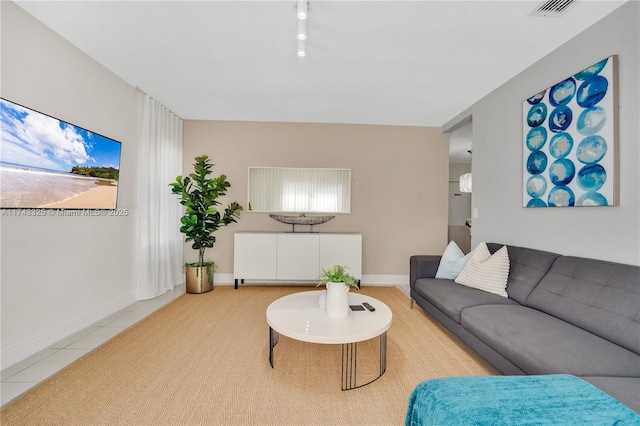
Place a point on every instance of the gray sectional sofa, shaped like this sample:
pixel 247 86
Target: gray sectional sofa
pixel 563 315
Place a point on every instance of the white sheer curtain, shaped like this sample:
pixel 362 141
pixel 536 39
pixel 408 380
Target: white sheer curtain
pixel 160 243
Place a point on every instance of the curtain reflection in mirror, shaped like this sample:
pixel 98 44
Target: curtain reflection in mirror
pixel 303 190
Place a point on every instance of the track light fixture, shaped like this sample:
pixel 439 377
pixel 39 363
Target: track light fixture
pixel 302 9
pixel 302 29
pixel 302 13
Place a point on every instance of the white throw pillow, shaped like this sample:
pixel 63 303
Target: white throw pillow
pixel 452 262
pixel 486 272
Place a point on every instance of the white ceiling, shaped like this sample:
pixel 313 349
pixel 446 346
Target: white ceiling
pixel 416 63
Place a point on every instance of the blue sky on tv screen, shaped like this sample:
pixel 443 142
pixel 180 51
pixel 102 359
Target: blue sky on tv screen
pixel 33 139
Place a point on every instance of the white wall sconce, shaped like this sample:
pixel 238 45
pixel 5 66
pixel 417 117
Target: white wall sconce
pixel 465 182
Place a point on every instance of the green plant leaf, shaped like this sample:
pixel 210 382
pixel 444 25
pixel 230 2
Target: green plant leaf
pixel 199 195
pixel 337 274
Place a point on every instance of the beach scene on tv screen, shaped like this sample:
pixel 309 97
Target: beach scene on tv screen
pixel 49 163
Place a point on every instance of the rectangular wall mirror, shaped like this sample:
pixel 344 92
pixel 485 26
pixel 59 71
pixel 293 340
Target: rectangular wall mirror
pixel 299 190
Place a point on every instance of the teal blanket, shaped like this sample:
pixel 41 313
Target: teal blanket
pixel 557 399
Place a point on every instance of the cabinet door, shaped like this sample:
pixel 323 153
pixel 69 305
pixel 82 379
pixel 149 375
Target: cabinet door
pixel 254 256
pixel 298 256
pixel 342 249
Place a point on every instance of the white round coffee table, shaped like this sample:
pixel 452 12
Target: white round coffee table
pixel 299 317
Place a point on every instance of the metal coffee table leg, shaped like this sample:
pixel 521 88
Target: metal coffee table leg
pixel 274 337
pixel 350 363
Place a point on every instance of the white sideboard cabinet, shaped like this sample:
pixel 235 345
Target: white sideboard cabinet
pixel 297 257
pixel 342 249
pixel 293 256
pixel 254 256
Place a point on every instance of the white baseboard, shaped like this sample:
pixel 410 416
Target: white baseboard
pixel 25 349
pixel 227 279
pixel 385 279
pixel 223 279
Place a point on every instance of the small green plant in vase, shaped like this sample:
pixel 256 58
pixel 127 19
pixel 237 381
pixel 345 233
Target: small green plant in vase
pixel 337 274
pixel 338 283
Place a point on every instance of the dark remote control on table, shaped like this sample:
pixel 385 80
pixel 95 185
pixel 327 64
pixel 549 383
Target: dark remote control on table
pixel 368 306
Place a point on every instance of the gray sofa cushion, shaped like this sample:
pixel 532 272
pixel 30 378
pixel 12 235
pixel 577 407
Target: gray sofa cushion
pixel 598 296
pixel 542 344
pixel 624 389
pixel 527 267
pixel 452 298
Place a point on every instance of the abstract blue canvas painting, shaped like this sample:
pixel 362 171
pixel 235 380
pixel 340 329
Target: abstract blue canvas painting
pixel 570 141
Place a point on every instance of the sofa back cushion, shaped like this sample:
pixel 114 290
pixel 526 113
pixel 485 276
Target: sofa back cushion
pixel 527 267
pixel 600 297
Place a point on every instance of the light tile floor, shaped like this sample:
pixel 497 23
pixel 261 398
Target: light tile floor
pixel 19 378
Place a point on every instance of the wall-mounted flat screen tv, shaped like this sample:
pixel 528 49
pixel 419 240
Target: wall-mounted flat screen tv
pixel 49 163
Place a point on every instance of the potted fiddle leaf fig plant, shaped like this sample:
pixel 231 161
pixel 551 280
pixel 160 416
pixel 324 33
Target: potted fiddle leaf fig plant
pixel 199 193
pixel 338 283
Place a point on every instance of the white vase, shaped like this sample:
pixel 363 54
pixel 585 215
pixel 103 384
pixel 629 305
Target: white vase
pixel 337 300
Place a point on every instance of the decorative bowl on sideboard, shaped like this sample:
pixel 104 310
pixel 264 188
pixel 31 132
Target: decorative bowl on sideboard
pixel 301 220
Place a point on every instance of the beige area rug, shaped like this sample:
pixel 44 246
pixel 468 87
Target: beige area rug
pixel 203 360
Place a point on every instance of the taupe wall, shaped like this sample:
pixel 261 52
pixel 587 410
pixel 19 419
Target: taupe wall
pixel 399 182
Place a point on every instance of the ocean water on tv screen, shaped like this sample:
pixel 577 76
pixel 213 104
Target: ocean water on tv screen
pixel 32 187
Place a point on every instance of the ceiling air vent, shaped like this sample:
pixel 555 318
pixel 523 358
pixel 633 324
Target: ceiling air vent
pixel 552 8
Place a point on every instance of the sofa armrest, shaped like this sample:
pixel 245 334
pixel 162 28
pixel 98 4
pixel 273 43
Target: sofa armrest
pixel 423 266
